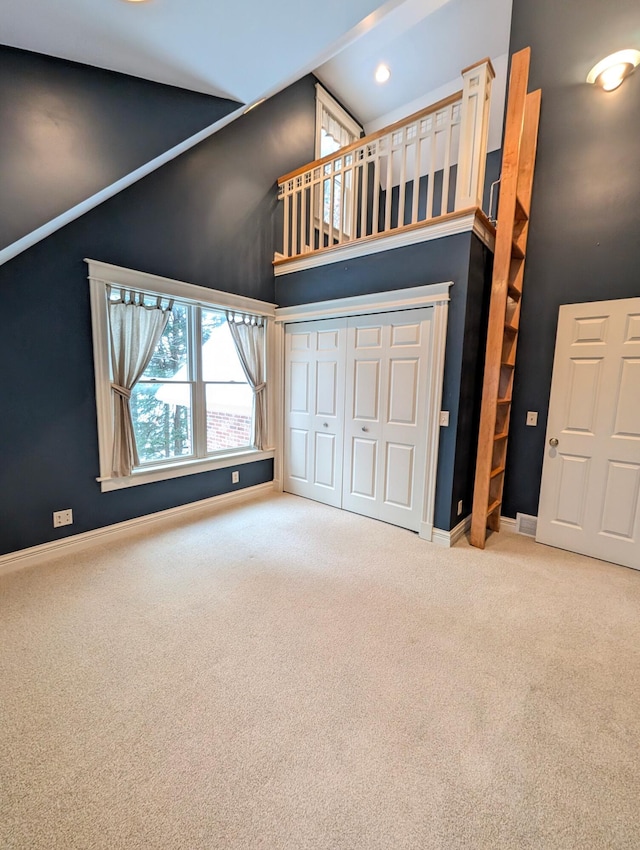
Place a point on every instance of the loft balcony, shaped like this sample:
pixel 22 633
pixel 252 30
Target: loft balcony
pixel 418 179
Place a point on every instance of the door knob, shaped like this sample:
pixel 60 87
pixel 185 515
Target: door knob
pixel 364 428
pixel 553 442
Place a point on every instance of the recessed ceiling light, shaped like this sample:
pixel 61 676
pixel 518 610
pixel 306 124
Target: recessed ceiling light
pixel 382 74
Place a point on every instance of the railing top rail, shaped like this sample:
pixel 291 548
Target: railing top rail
pixel 391 128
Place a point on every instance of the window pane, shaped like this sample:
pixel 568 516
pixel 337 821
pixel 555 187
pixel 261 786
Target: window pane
pixel 171 358
pixel 328 144
pixel 229 416
pixel 161 415
pixel 219 357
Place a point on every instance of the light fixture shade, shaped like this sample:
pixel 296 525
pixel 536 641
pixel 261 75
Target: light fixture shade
pixel 612 70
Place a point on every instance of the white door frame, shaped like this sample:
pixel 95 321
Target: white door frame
pixel 434 295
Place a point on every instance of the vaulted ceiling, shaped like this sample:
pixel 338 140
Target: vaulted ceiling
pixel 248 49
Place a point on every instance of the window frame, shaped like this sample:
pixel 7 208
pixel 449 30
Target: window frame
pixel 327 103
pixel 100 276
pixel 337 112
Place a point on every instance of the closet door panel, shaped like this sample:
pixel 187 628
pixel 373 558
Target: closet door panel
pixel 314 409
pixel 365 381
pixel 408 355
pixel 388 356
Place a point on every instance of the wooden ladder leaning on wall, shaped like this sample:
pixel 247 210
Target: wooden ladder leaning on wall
pixel 518 161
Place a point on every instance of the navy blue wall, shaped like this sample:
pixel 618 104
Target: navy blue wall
pixel 583 243
pixel 69 130
pixel 208 217
pixel 463 260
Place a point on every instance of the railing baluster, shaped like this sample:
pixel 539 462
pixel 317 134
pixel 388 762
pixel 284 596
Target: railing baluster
pixel 431 173
pixel 416 177
pixel 447 163
pixel 403 181
pixel 331 202
pixel 287 222
pixel 364 193
pixel 376 193
pixel 353 194
pixel 340 178
pixel 295 234
pixel 389 187
pixel 303 218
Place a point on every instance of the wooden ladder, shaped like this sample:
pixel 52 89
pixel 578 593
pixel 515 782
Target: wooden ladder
pixel 518 161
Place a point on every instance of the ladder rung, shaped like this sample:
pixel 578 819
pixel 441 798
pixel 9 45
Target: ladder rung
pixel 508 365
pixel 516 251
pixel 498 437
pixel 510 329
pixel 514 292
pixel 521 213
pixel 493 506
pixel 504 401
pixel 495 472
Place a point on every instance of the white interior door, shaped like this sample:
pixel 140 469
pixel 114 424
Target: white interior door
pixel 388 374
pixel 314 409
pixel 590 495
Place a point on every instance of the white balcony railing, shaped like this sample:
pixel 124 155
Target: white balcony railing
pixel 428 165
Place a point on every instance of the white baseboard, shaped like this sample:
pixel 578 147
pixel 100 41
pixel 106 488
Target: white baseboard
pixel 449 538
pixel 38 554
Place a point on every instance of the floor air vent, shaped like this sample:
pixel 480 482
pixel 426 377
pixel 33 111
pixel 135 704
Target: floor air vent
pixel 526 524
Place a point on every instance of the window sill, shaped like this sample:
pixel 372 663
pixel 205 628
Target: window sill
pixel 180 468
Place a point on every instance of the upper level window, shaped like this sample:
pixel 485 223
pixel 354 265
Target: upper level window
pixel 335 128
pixel 181 385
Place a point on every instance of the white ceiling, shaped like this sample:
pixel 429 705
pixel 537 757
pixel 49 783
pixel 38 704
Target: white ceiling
pixel 425 44
pixel 247 49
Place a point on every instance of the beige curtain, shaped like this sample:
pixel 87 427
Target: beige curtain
pixel 248 335
pixel 335 129
pixel 135 329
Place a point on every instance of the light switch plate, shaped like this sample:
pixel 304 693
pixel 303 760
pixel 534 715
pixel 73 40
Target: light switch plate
pixel 444 418
pixel 532 417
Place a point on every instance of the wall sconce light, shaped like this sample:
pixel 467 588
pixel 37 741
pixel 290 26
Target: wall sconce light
pixel 612 70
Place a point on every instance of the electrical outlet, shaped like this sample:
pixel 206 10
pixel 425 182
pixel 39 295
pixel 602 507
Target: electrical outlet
pixel 62 518
pixel 459 507
pixel 444 418
pixel 235 477
pixel 532 417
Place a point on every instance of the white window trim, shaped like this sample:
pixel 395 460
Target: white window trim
pixel 101 274
pixel 323 98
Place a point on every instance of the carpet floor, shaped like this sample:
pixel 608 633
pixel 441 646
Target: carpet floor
pixel 285 675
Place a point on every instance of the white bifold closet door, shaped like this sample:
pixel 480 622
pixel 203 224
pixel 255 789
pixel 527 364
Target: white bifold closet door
pixel 356 396
pixel 314 409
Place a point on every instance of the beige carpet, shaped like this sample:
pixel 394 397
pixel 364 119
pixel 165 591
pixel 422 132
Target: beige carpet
pixel 287 675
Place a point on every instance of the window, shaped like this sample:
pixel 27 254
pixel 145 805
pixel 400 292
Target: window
pixel 193 407
pixel 335 129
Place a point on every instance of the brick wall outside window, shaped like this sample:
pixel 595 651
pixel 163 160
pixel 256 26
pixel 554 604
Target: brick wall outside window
pixel 227 430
